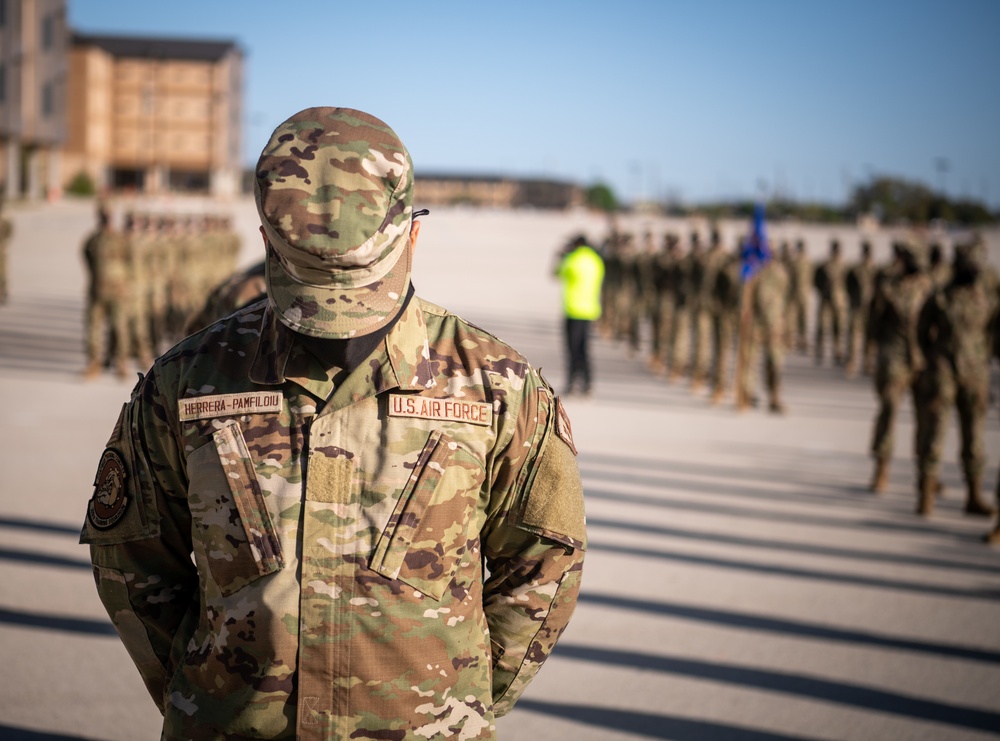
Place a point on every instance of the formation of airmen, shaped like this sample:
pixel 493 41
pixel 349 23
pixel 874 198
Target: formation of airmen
pixel 148 275
pixel 920 325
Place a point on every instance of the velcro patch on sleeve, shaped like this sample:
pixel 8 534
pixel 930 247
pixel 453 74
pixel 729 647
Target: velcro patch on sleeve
pixel 442 410
pixel 563 427
pixel 228 405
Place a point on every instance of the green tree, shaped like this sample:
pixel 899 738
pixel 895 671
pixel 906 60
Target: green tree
pixel 601 197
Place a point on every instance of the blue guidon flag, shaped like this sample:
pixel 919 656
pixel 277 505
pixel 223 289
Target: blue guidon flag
pixel 755 251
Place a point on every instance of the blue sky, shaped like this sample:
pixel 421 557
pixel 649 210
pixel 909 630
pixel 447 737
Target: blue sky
pixel 695 100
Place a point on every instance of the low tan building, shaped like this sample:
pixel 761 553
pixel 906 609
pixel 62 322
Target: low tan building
pixel 153 114
pixel 33 69
pixel 433 189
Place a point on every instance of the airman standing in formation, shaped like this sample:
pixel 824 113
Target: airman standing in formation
pixel 762 319
pixel 726 292
pixel 955 335
pixel 800 286
pixel 860 287
pixel 831 286
pixel 706 311
pixel 899 360
pixel 107 255
pixel 685 273
pixel 664 280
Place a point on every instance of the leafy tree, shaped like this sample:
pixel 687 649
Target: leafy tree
pixel 601 197
pixel 81 185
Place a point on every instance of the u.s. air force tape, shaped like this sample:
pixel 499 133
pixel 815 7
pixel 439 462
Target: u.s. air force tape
pixel 227 405
pixel 443 410
pixel 110 499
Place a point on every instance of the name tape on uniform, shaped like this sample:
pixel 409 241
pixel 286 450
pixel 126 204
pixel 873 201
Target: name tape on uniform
pixel 225 405
pixel 443 410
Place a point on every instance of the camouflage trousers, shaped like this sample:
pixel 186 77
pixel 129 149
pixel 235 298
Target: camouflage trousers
pixel 104 313
pixel 858 349
pixel 724 335
pixel 796 319
pixel 893 378
pixel 703 340
pixel 938 393
pixel 680 341
pixel 829 318
pixel 766 341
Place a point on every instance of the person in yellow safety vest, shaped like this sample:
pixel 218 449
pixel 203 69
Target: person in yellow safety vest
pixel 581 272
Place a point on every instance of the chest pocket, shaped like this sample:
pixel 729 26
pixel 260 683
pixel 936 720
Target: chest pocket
pixel 428 533
pixel 231 523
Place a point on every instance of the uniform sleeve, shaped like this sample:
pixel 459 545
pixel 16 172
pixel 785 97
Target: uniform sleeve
pixel 534 547
pixel 138 529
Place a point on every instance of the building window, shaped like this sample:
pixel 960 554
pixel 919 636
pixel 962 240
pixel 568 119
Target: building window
pixel 48 100
pixel 48 31
pixel 3 13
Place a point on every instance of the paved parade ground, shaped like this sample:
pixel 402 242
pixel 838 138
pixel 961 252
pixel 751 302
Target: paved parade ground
pixel 741 582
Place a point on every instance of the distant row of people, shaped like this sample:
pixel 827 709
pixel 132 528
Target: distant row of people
pixel 147 277
pixel 918 324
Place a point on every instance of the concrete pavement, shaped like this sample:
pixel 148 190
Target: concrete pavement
pixel 741 582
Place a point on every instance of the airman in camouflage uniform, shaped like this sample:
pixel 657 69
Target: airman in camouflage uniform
pixel 766 295
pixel 800 284
pixel 831 287
pixel 666 301
pixel 6 230
pixel 726 297
pixel 899 298
pixel 381 500
pixel 108 258
pixel 685 273
pixel 955 334
pixel 706 311
pixel 860 286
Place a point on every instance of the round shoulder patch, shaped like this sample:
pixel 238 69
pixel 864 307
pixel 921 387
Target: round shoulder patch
pixel 109 502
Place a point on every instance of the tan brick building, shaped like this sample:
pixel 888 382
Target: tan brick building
pixel 33 70
pixel 153 114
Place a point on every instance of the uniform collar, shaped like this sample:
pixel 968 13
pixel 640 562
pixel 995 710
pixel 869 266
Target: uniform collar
pixel 401 361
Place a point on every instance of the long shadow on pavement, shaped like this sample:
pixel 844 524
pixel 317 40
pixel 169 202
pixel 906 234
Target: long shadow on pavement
pixel 799 573
pixel 9 733
pixel 903 559
pixel 798 685
pixel 649 724
pixel 85 626
pixel 785 627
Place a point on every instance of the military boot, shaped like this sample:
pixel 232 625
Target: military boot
pixel 926 494
pixel 93 370
pixel 993 536
pixel 974 504
pixel 880 479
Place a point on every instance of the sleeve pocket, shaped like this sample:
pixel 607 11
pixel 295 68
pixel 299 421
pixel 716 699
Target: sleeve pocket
pixel 428 533
pixel 241 542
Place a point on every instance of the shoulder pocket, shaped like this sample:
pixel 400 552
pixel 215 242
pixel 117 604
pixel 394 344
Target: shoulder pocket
pixel 123 507
pixel 429 530
pixel 231 520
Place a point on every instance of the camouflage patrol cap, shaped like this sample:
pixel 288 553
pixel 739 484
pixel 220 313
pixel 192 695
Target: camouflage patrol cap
pixel 334 190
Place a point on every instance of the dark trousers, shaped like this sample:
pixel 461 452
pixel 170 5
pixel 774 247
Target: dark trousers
pixel 578 349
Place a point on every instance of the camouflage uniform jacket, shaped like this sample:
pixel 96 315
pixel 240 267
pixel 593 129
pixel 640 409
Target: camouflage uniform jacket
pixel 830 282
pixel 892 322
pixel 769 292
pixel 955 331
pixel 860 284
pixel 386 555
